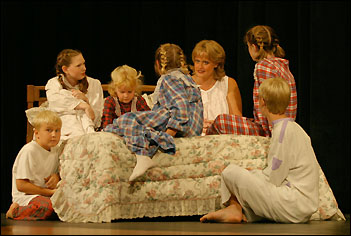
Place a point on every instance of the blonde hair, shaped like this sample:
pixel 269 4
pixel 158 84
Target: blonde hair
pixel 170 56
pixel 46 117
pixel 276 94
pixel 266 40
pixel 64 58
pixel 214 52
pixel 125 76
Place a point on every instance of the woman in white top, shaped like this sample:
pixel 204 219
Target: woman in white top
pixel 220 93
pixel 77 98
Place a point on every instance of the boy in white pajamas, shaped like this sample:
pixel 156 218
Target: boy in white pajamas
pixel 286 190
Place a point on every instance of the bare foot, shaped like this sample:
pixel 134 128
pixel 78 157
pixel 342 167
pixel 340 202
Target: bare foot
pixel 231 214
pixel 12 207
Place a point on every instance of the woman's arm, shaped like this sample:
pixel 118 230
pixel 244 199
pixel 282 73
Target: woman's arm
pixel 234 98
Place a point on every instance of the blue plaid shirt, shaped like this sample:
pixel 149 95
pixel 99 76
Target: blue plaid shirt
pixel 178 106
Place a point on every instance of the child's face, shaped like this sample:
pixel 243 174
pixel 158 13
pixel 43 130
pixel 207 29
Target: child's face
pixel 48 135
pixel 125 94
pixel 76 70
pixel 204 68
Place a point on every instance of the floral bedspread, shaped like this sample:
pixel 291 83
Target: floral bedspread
pixel 95 168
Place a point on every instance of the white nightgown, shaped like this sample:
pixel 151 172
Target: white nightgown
pixel 215 99
pixel 75 122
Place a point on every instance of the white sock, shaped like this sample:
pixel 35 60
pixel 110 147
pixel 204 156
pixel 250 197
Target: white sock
pixel 143 163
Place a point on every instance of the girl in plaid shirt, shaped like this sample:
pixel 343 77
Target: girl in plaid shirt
pixel 124 90
pixel 263 46
pixel 177 111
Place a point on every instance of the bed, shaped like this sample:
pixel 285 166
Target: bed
pixel 95 168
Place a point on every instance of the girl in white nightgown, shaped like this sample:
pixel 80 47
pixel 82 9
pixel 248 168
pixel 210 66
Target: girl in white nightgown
pixel 77 98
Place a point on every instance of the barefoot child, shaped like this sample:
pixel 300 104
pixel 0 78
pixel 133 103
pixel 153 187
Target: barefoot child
pixel 124 90
pixel 286 190
pixel 177 111
pixel 35 170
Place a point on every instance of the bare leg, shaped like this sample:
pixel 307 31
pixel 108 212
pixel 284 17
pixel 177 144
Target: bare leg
pixel 12 207
pixel 231 214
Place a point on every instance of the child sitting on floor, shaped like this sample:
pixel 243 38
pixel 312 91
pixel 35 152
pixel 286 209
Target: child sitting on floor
pixel 35 170
pixel 124 90
pixel 286 190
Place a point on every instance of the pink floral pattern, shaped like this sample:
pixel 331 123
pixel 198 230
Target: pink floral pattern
pixel 95 169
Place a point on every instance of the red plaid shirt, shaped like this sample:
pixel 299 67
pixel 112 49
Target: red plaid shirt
pixel 233 124
pixel 109 112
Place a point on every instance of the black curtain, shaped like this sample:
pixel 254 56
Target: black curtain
pixel 314 34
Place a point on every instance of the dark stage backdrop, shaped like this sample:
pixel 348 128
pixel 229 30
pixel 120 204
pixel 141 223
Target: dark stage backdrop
pixel 314 34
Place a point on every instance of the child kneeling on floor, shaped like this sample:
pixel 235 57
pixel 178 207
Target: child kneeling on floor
pixel 35 170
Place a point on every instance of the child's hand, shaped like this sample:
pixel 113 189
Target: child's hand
pixel 79 95
pixel 207 123
pixel 171 131
pixel 87 108
pixel 51 181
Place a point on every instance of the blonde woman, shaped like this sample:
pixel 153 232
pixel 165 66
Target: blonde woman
pixel 177 111
pixel 220 93
pixel 124 90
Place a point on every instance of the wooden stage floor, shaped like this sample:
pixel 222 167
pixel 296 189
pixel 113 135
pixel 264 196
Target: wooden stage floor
pixel 171 226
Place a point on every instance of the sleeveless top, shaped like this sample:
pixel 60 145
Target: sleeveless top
pixel 215 99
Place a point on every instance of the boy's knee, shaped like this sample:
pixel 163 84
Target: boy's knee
pixel 234 173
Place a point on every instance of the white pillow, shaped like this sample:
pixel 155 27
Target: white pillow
pixel 149 98
pixel 32 112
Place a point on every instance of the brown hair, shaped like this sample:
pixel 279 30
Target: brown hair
pixel 170 56
pixel 214 52
pixel 266 40
pixel 64 59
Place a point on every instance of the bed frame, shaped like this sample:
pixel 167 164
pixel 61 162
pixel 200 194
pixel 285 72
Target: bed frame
pixel 36 95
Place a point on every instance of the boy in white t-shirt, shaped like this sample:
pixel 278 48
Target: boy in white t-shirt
pixel 286 190
pixel 35 170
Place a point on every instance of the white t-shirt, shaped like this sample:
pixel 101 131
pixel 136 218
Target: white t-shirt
pixel 215 99
pixel 34 163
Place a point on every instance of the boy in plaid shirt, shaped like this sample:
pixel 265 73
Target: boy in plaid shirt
pixel 124 90
pixel 263 46
pixel 177 111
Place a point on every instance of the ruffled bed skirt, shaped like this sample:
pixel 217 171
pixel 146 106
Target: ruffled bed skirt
pixel 95 168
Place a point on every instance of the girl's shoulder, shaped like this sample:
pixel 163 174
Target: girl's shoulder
pixel 92 80
pixel 272 61
pixel 53 82
pixel 110 99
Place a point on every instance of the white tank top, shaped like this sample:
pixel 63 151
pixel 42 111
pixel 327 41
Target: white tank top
pixel 215 99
